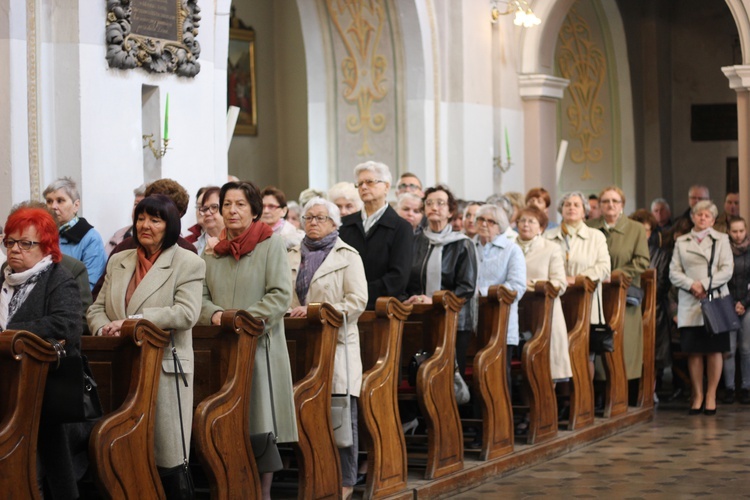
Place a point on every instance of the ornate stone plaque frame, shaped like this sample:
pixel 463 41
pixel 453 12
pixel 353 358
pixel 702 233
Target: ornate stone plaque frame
pixel 127 50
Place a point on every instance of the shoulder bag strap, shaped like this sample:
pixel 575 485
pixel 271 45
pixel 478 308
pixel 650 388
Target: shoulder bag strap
pixel 346 351
pixel 270 385
pixel 710 266
pixel 179 371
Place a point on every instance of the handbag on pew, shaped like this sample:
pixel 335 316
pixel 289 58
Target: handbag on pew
pixel 265 449
pixel 70 393
pixel 341 409
pixel 177 481
pixel 601 336
pixel 460 388
pixel 719 314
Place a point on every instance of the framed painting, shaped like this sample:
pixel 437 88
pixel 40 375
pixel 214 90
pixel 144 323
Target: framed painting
pixel 241 88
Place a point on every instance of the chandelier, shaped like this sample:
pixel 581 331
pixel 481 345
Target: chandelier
pixel 524 16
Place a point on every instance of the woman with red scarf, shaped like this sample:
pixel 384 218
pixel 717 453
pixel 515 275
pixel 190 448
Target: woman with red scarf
pixel 248 270
pixel 160 282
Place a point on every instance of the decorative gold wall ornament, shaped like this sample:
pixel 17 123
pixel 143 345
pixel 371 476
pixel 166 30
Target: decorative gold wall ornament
pixel 156 35
pixel 360 25
pixel 584 64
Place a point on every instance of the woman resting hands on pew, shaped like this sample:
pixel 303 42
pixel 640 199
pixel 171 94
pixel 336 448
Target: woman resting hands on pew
pixel 444 260
pixel 161 282
pixel 325 269
pixel 544 262
pixel 584 249
pixel 39 295
pixel 248 269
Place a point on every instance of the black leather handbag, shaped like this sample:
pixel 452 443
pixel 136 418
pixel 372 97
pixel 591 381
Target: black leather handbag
pixel 70 393
pixel 719 314
pixel 601 336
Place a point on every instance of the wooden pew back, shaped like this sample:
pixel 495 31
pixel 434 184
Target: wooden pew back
pixel 614 293
pixel 312 341
pixel 576 304
pixel 648 306
pixel 221 431
pixel 535 315
pixel 380 430
pixel 24 361
pixel 490 377
pixel 121 447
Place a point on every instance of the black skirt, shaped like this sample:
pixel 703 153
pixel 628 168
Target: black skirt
pixel 697 340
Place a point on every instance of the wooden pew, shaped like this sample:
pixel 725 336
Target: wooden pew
pixel 312 343
pixel 535 315
pixel 221 433
pixel 616 393
pixel 24 362
pixel 434 328
pixel 489 377
pixel 121 447
pixel 380 430
pixel 648 306
pixel 576 303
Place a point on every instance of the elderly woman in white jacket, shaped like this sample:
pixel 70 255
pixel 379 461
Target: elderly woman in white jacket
pixel 584 250
pixel 325 269
pixel 688 272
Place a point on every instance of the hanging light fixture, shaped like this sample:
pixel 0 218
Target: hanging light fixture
pixel 524 16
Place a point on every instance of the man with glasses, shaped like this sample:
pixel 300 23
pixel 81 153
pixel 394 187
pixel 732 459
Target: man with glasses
pixel 409 183
pixel 382 238
pixel 684 223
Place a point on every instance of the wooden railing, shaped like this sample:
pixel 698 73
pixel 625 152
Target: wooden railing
pixel 24 362
pixel 221 431
pixel 380 432
pixel 121 447
pixel 648 306
pixel 616 393
pixel 489 374
pixel 576 302
pixel 535 315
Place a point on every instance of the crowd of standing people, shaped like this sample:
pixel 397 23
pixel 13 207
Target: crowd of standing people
pixel 253 249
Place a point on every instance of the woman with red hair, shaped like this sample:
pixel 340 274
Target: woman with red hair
pixel 41 296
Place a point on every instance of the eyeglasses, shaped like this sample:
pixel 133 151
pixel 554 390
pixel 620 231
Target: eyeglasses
pixel 212 209
pixel 24 245
pixel 432 203
pixel 405 185
pixel 523 221
pixel 610 202
pixel 271 207
pixel 320 219
pixel 367 182
pixel 490 222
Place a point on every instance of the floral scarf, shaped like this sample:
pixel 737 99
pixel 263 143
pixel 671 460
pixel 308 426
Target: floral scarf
pixel 17 287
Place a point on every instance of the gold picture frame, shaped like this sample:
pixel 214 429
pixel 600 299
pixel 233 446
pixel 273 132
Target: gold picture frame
pixel 241 87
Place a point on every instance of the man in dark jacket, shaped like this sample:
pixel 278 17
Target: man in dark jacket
pixel 382 238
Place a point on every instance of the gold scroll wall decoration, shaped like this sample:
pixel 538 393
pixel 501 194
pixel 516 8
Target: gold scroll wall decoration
pixel 584 64
pixel 360 25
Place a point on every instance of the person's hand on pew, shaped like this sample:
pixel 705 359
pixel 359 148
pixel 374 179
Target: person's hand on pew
pixel 216 318
pixel 298 312
pixel 419 299
pixel 113 329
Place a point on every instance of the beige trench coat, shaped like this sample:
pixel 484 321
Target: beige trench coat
pixel 544 262
pixel 587 256
pixel 340 280
pixel 260 283
pixel 169 296
pixel 690 263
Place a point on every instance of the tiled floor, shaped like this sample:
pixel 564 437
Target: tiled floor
pixel 674 456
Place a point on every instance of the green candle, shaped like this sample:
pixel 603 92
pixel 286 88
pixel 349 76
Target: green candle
pixel 507 142
pixel 166 119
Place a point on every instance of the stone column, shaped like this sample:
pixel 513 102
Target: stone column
pixel 540 94
pixel 739 80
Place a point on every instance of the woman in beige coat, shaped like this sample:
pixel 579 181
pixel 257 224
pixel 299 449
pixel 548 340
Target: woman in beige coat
pixel 584 250
pixel 248 270
pixel 688 272
pixel 160 282
pixel 325 269
pixel 544 262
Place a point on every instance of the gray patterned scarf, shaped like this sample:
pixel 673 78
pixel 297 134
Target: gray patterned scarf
pixel 314 252
pixel 17 287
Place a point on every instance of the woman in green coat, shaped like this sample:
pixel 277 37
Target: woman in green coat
pixel 628 251
pixel 248 269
